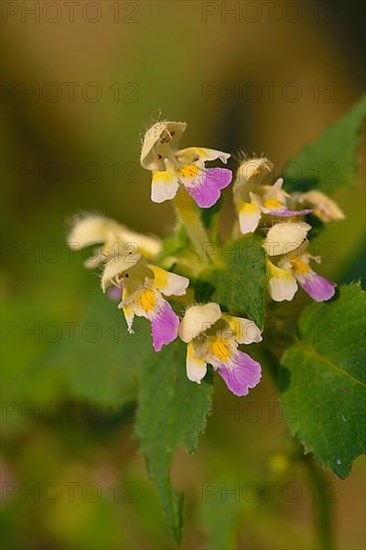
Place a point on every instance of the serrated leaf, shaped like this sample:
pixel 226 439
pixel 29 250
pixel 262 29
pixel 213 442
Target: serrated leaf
pixel 325 395
pixel 331 160
pixel 239 286
pixel 172 414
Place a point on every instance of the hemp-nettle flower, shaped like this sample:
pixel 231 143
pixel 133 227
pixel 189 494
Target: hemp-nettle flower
pixel 172 167
pixel 292 269
pixel 114 238
pixel 212 337
pixel 325 208
pixel 142 287
pixel 253 199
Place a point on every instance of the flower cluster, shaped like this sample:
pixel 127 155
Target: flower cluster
pixel 147 290
pixel 288 261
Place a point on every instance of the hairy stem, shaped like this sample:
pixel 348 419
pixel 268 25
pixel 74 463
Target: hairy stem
pixel 320 484
pixel 322 511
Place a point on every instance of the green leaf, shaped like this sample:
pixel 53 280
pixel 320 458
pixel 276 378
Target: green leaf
pixel 239 286
pixel 331 160
pixel 172 413
pixel 325 397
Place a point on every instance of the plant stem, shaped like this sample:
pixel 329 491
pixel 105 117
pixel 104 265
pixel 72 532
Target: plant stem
pixel 323 520
pixel 189 217
pixel 322 503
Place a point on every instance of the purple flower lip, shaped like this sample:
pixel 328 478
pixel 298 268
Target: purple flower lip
pixel 164 326
pixel 243 374
pixel 318 288
pixel 206 189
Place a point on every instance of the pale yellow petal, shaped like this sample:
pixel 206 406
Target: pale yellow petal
pixel 164 184
pixel 117 265
pixel 194 154
pixel 250 175
pixel 196 367
pixel 284 237
pixel 281 283
pixel 244 330
pixel 91 229
pixel 249 216
pixel 170 284
pixel 325 208
pixel 198 319
pixel 160 142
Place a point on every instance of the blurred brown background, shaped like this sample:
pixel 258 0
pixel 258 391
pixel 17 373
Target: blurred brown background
pixel 81 81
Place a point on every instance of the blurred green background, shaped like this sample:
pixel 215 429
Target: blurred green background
pixel 266 79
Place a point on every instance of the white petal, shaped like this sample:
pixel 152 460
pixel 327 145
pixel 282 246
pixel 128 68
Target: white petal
pixel 194 154
pixel 149 246
pixel 245 331
pixel 90 230
pixel 254 169
pixel 168 283
pixel 325 208
pixel 275 192
pixel 249 216
pixel 197 320
pixel 164 184
pixel 196 367
pixel 284 237
pixel 249 175
pixel 160 142
pixel 116 266
pixel 129 316
pixel 116 237
pixel 281 285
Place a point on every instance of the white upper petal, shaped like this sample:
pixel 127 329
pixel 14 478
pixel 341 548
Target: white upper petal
pixel 284 237
pixel 197 320
pixel 158 140
pixel 194 154
pixel 94 229
pixel 149 245
pixel 90 230
pixel 249 175
pixel 116 266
